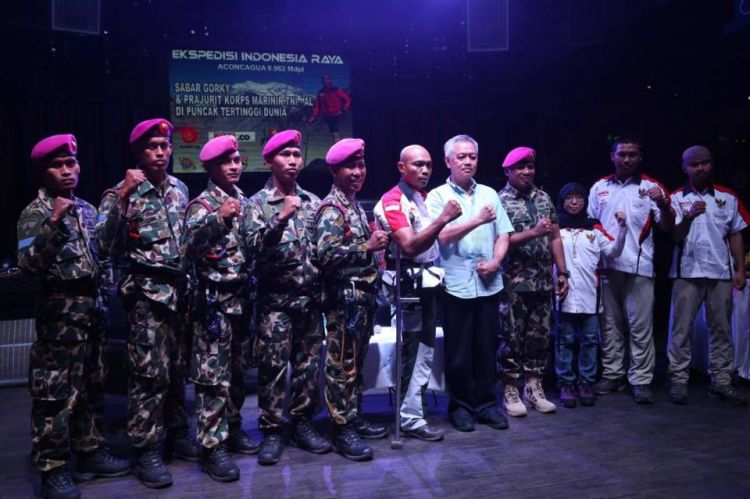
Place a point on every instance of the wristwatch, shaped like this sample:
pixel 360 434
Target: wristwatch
pixel 564 273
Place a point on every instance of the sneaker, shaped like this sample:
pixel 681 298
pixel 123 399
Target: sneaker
pixel 219 466
pixel 606 386
pixel 512 402
pixel 58 484
pixel 368 430
pixel 99 464
pixel 271 449
pixel 533 396
pixel 642 394
pixel 150 469
pixel 678 393
pixel 462 420
pixel 425 432
pixel 586 394
pixel 568 395
pixel 727 392
pixel 182 445
pixel 306 437
pixel 493 418
pixel 240 442
pixel 349 444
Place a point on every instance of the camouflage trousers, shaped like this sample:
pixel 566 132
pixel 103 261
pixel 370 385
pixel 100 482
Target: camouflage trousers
pixel 66 384
pixel 156 361
pixel 347 341
pixel 217 367
pixel 285 336
pixel 524 333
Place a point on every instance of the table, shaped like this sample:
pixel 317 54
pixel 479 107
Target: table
pixel 380 364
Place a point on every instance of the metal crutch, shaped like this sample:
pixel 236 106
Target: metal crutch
pixel 397 443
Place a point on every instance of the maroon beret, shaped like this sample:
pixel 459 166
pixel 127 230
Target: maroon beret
pixel 218 146
pixel 280 140
pixel 343 150
pixel 53 145
pixel 160 127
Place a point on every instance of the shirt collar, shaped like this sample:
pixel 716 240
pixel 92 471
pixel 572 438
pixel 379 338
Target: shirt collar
pixel 635 179
pixel 274 196
pixel 459 189
pixel 409 191
pixel 690 188
pixel 518 194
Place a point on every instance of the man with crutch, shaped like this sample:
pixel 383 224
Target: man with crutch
pixel 401 213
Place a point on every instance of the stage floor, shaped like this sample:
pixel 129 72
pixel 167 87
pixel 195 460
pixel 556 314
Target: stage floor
pixel 615 449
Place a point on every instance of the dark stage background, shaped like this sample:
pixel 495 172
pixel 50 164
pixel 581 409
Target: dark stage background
pixel 577 73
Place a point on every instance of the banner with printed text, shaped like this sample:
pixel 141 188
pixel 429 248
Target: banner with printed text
pixel 252 95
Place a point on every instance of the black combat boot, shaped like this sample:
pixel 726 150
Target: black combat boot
pixel 368 430
pixel 99 464
pixel 306 437
pixel 150 469
pixel 57 484
pixel 240 442
pixel 181 445
pixel 348 443
pixel 218 464
pixel 271 449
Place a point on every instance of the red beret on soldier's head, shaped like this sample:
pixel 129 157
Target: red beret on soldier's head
pixel 280 140
pixel 218 146
pixel 155 127
pixel 54 145
pixel 343 150
pixel 519 155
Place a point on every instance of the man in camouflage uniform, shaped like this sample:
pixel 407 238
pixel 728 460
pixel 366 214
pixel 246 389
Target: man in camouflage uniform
pixel 140 222
pixel 56 245
pixel 219 309
pixel 526 306
pixel 288 321
pixel 346 254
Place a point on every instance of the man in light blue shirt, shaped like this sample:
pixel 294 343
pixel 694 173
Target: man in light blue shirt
pixel 472 247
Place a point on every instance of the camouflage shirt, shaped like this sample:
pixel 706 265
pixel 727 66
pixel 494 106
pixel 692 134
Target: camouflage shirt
pixel 63 256
pixel 282 253
pixel 341 234
pixel 147 236
pixel 213 251
pixel 528 266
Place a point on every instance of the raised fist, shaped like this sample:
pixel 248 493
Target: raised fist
pixel 697 208
pixel 543 227
pixel 61 208
pixel 291 205
pixel 486 214
pixel 451 211
pixel 378 241
pixel 620 217
pixel 657 196
pixel 230 209
pixel 133 178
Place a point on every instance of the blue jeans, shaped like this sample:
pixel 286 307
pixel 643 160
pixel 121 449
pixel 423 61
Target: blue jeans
pixel 587 328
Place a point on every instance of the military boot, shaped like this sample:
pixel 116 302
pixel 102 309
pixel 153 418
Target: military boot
pixel 368 430
pixel 271 449
pixel 306 437
pixel 240 442
pixel 348 443
pixel 150 469
pixel 57 484
pixel 181 445
pixel 218 464
pixel 99 464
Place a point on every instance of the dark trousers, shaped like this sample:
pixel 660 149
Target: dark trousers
pixel 470 337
